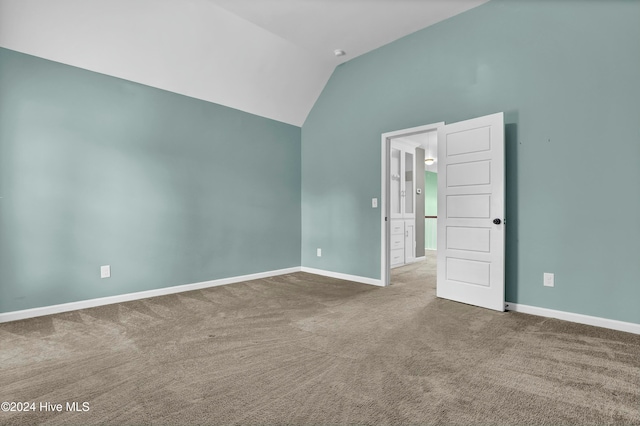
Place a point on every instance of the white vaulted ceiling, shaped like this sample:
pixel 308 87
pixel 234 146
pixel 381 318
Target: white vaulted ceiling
pixel 267 57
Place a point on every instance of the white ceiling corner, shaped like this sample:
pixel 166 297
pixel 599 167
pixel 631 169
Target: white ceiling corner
pixel 267 57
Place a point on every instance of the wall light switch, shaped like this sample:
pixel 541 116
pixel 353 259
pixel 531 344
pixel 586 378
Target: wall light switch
pixel 374 203
pixel 549 279
pixel 319 252
pixel 105 271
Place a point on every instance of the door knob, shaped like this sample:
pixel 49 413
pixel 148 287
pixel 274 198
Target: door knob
pixel 497 221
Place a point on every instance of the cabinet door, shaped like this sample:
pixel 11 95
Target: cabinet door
pixel 395 187
pixel 402 185
pixel 409 185
pixel 409 241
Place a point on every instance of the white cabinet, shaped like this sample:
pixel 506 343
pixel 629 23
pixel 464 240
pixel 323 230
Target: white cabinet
pixel 403 201
pixel 402 241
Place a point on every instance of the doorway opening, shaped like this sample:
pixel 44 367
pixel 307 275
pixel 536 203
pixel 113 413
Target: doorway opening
pixel 471 207
pixel 404 218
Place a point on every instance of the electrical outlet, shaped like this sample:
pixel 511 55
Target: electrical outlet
pixel 105 271
pixel 548 279
pixel 374 203
pixel 319 252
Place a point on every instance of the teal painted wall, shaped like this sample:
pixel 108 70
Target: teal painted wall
pixel 166 189
pixel 430 193
pixel 430 209
pixel 566 75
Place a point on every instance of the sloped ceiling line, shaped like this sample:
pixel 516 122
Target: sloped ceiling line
pixel 267 57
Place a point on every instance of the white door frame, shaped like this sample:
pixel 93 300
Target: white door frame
pixel 385 211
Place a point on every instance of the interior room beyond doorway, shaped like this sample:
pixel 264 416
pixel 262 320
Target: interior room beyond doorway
pixel 411 189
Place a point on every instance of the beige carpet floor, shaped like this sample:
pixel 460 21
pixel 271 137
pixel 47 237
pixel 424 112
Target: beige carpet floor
pixel 304 349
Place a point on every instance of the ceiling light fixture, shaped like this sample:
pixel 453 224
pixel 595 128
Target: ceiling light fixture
pixel 429 160
pixel 339 52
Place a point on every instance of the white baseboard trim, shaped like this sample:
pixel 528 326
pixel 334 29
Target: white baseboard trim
pixel 420 259
pixel 83 304
pixel 347 277
pixel 628 327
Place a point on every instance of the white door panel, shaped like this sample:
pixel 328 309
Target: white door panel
pixel 468 271
pixel 468 141
pixel 468 238
pixel 470 197
pixel 470 206
pixel 471 173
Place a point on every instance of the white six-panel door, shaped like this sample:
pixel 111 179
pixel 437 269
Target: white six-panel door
pixel 471 229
